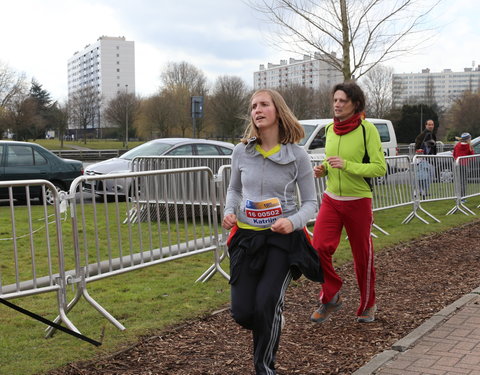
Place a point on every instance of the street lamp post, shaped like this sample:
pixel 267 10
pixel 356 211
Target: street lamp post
pixel 126 117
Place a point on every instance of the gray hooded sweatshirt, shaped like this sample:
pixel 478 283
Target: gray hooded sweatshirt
pixel 262 189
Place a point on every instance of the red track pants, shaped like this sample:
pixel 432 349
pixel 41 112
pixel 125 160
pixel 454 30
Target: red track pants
pixel 357 218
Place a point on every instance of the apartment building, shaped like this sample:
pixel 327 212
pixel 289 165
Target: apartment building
pixel 442 88
pixel 108 67
pixel 309 71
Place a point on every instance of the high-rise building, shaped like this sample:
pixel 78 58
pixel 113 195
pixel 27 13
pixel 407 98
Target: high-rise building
pixel 309 72
pixel 440 88
pixel 105 68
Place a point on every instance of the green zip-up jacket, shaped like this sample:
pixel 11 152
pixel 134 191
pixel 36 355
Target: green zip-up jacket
pixel 349 181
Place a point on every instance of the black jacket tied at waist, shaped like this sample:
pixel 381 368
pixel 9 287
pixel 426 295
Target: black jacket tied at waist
pixel 253 245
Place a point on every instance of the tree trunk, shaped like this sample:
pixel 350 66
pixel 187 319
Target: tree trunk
pixel 346 42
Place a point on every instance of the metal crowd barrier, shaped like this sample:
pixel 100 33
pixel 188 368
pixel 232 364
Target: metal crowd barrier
pixel 178 220
pixel 170 214
pixel 32 261
pixel 467 182
pixel 441 147
pixel 222 180
pixel 150 163
pixel 433 180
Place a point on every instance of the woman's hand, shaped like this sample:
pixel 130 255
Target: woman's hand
pixel 229 221
pixel 336 162
pixel 282 226
pixel 319 171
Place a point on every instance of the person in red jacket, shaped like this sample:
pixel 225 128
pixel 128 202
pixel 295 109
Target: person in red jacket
pixel 463 148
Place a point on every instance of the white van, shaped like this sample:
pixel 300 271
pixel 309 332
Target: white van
pixel 314 141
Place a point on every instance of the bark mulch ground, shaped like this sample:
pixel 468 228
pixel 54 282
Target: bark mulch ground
pixel 414 281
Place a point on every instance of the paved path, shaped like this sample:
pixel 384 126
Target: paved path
pixel 447 343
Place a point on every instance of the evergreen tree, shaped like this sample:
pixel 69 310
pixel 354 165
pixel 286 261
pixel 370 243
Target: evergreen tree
pixel 412 121
pixel 41 120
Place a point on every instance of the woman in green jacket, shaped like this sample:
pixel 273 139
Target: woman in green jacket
pixel 353 154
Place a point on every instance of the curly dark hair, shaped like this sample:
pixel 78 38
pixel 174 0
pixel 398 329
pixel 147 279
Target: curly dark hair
pixel 353 92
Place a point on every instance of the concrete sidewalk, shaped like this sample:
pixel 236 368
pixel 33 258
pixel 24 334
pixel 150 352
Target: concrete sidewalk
pixel 447 343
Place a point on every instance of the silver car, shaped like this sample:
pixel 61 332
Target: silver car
pixel 158 147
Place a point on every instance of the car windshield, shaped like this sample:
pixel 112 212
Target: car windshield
pixel 147 149
pixel 308 132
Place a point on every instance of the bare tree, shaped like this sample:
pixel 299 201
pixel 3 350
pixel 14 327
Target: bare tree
pixel 182 81
pixel 429 96
pixel 11 85
pixel 155 113
pixel 364 32
pixel 378 88
pixel 123 111
pixel 228 106
pixel 59 119
pixel 13 91
pixel 184 75
pixel 464 115
pixel 20 117
pixel 301 100
pixel 324 103
pixel 84 107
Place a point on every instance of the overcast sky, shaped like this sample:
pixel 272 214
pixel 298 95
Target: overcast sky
pixel 220 37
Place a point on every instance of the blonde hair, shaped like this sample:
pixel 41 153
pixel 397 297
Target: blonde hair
pixel 290 130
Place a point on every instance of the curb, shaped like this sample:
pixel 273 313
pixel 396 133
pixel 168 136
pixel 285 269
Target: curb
pixel 409 340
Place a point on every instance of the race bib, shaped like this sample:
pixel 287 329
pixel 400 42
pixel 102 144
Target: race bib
pixel 264 213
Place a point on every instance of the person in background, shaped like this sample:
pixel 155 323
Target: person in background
pixel 268 245
pixel 353 152
pixel 424 172
pixel 463 148
pixel 427 140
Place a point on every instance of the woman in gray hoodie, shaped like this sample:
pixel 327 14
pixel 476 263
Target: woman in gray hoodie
pixel 268 244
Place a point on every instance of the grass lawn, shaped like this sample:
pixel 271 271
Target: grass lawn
pixel 149 300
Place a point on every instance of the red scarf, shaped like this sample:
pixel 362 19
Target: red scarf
pixel 346 126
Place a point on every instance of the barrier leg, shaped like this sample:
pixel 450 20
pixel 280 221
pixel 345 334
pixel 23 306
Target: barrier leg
pixel 429 214
pixel 102 311
pixel 412 215
pixel 207 275
pixel 63 311
pixel 380 229
pixel 459 206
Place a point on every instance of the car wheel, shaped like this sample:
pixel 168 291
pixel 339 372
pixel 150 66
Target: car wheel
pixel 50 195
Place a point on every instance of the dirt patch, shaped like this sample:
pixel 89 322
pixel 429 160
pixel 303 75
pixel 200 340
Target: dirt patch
pixel 414 281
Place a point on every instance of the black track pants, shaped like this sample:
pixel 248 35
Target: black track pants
pixel 257 304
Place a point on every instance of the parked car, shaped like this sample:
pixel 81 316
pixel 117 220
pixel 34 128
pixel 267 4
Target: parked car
pixel 29 161
pixel 156 147
pixel 314 140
